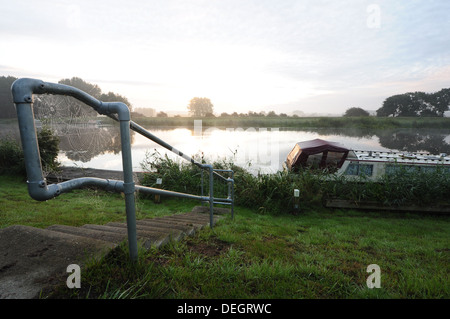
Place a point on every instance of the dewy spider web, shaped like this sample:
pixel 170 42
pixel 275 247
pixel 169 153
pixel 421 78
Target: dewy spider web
pixel 83 134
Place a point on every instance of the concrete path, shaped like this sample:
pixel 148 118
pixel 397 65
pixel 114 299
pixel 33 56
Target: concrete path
pixel 32 258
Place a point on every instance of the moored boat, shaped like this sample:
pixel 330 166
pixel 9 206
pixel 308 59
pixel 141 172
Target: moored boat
pixel 352 164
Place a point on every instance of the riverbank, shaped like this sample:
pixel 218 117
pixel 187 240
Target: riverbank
pixel 320 253
pixel 369 122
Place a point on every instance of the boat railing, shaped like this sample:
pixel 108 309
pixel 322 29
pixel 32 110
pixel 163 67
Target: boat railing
pixel 403 156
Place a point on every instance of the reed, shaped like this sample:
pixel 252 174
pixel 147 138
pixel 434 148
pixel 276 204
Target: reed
pixel 273 193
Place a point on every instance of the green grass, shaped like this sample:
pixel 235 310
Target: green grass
pixel 316 254
pixel 76 208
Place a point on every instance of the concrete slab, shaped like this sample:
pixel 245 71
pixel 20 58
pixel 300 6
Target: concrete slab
pixel 31 258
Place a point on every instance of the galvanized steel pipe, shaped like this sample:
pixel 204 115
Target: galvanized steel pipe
pixel 22 91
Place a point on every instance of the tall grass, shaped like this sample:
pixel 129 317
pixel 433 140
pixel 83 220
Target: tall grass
pixel 403 186
pixel 273 193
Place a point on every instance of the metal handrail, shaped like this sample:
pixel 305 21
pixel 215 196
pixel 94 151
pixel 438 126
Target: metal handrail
pixel 23 90
pixel 230 182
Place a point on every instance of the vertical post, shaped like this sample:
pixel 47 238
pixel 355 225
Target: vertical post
pixel 29 142
pixel 202 183
pixel 211 196
pixel 129 188
pixel 232 195
pixel 157 198
pixel 296 200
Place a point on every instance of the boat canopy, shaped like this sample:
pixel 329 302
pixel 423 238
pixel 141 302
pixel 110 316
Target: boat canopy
pixel 317 153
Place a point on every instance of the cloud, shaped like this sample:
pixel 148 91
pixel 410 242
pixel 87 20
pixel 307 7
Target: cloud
pixel 256 52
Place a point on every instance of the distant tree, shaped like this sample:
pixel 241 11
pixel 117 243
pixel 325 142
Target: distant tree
pixel 91 89
pixel 356 111
pixel 209 115
pixel 137 114
pixel 200 106
pixel 235 114
pixel 61 106
pixel 224 114
pixel 271 114
pixel 441 101
pixel 161 114
pixel 256 114
pixel 416 104
pixel 52 105
pixel 113 97
pixel 283 115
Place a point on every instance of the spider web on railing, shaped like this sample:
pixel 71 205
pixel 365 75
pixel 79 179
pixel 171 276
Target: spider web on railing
pixel 83 133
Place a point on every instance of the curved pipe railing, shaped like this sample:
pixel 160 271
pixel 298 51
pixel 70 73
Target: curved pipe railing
pixel 23 91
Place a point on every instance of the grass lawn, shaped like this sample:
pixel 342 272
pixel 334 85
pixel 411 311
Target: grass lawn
pixel 318 254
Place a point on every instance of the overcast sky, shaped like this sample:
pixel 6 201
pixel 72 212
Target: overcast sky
pixel 282 55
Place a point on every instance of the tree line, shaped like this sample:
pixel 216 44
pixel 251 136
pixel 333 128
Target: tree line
pixel 46 104
pixel 416 104
pixel 411 104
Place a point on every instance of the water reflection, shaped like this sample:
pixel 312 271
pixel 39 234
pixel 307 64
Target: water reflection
pixel 89 143
pixel 83 135
pixel 259 149
pixel 81 143
pixel 408 140
pixel 434 141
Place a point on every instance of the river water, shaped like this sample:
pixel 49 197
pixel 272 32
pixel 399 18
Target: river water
pixel 258 149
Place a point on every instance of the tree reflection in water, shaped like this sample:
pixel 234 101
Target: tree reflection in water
pixel 434 141
pixel 83 133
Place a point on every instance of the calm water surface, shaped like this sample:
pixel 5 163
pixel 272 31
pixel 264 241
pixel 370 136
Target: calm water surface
pixel 259 149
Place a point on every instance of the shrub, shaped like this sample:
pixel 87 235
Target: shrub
pixel 179 177
pixel 12 158
pixel 48 148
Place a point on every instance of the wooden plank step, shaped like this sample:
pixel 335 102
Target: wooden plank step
pixel 148 238
pixel 90 233
pixel 142 229
pixel 187 229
